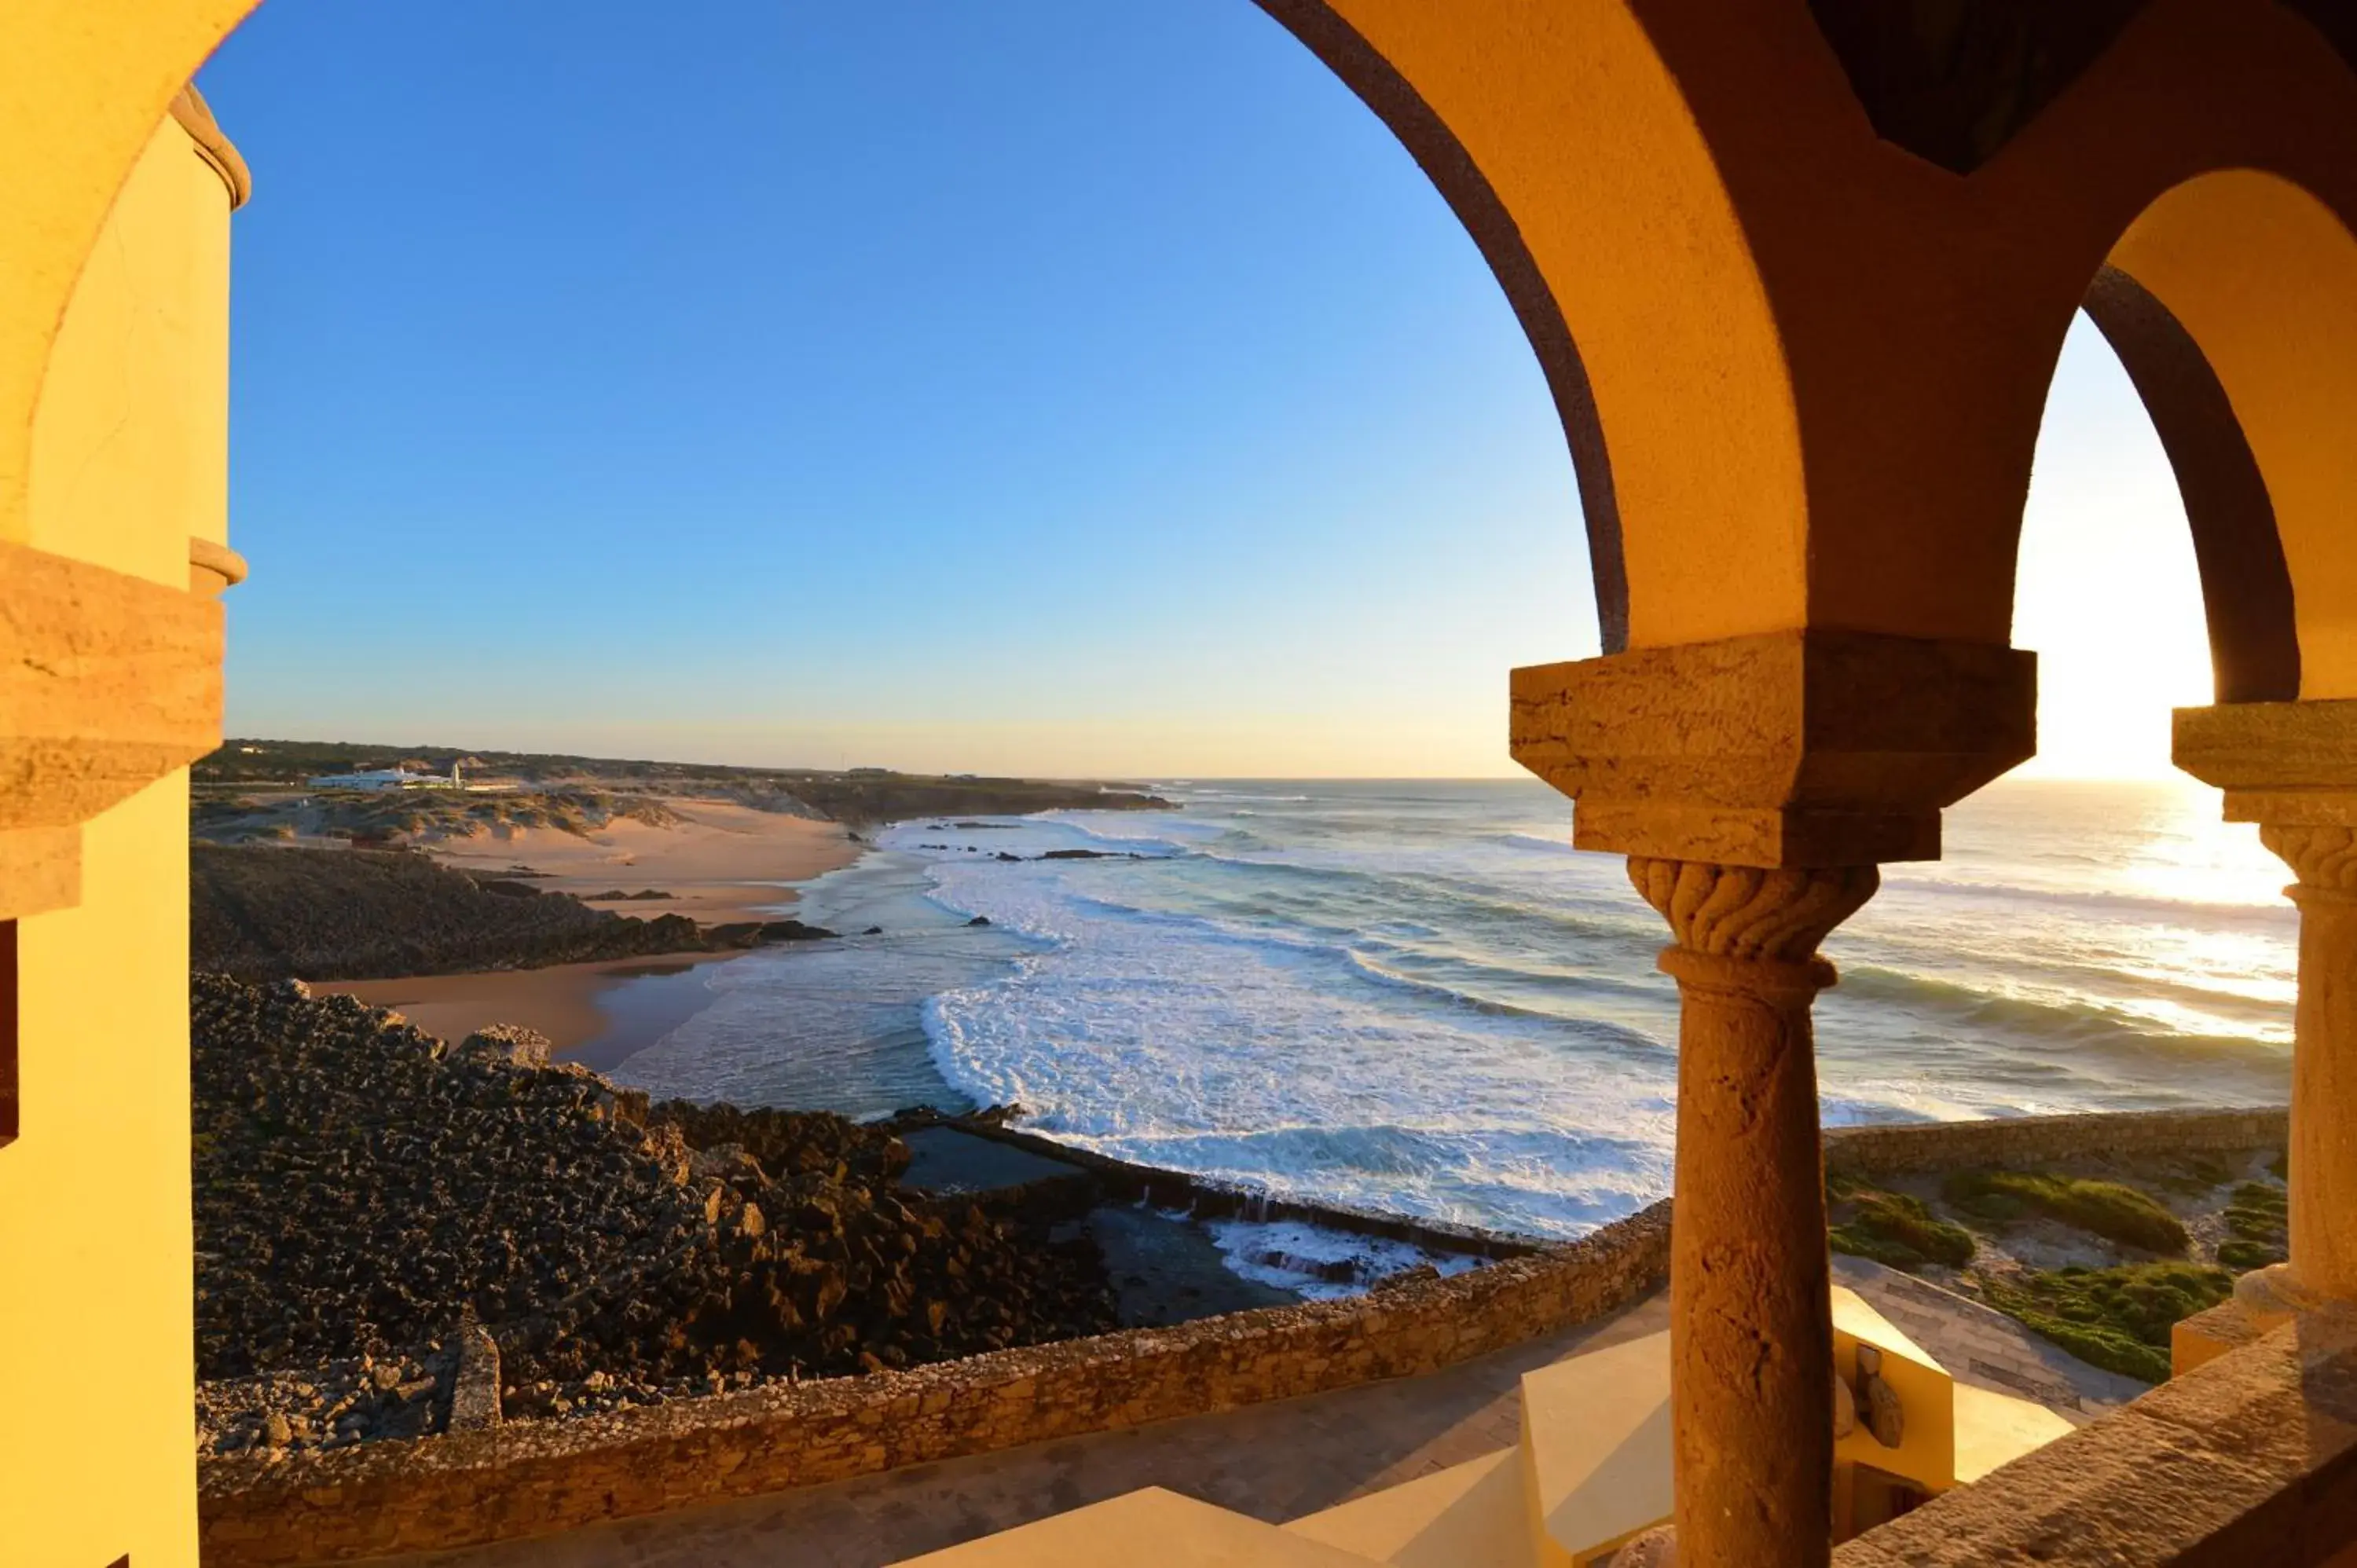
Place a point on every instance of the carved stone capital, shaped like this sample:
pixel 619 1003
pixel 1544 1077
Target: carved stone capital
pixel 1744 913
pixel 1795 749
pixel 2324 859
pixel 2283 763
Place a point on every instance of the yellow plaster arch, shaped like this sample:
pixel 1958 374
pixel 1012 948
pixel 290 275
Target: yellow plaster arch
pixel 2263 277
pixel 84 84
pixel 1569 112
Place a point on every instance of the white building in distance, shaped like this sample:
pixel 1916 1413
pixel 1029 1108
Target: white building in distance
pixel 392 779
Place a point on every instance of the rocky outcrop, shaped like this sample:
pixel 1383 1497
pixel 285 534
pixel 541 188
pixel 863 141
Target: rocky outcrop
pixel 363 1192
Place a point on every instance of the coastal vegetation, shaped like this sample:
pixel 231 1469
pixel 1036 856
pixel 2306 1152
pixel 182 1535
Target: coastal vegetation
pixel 1900 1229
pixel 382 816
pixel 2108 1209
pixel 2258 1221
pixel 2103 1258
pixel 2117 1318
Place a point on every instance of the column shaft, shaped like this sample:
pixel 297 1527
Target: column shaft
pixel 2324 1097
pixel 1751 1371
pixel 1750 1328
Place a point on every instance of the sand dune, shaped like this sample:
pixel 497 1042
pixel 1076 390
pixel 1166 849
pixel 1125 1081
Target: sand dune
pixel 721 862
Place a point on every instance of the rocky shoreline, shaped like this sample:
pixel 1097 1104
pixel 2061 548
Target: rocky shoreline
pixel 365 1192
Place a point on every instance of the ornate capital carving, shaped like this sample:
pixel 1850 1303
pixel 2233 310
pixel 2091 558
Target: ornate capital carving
pixel 1743 912
pixel 2324 859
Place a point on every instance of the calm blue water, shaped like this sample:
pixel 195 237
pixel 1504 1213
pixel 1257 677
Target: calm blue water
pixel 1416 997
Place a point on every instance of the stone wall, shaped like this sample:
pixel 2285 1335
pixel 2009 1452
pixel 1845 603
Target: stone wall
pixel 2248 1459
pixel 2041 1140
pixel 534 1478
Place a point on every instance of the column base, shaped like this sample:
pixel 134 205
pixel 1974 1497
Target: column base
pixel 2264 1300
pixel 2273 1295
pixel 2203 1338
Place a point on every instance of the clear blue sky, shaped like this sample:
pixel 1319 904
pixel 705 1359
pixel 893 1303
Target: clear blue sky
pixel 1044 385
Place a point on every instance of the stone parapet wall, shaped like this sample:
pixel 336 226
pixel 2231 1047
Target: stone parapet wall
pixel 534 1478
pixel 2248 1459
pixel 2037 1139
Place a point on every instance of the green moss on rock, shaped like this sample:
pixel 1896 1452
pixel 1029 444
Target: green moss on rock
pixel 2116 1318
pixel 2258 1222
pixel 2107 1209
pixel 1898 1230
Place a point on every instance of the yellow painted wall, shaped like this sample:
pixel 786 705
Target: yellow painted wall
pixel 97 1441
pixel 131 440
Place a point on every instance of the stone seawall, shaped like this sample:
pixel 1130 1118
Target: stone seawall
pixel 534 1478
pixel 2041 1140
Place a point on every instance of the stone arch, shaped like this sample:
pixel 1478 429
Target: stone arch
pixel 2232 302
pixel 2245 587
pixel 1632 274
pixel 1477 205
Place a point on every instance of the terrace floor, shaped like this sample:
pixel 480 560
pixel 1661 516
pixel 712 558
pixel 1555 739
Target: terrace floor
pixel 1275 1462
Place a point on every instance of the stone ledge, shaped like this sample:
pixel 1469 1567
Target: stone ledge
pixel 2250 1459
pixel 531 1478
pixel 1931 1145
pixel 213 144
pixel 108 682
pixel 214 567
pixel 2201 1339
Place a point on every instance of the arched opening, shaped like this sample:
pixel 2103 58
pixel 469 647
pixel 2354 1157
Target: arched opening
pixel 1112 447
pixel 2245 586
pixel 336 580
pixel 2232 301
pixel 2094 936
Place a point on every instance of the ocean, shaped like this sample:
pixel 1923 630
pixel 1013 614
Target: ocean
pixel 1416 997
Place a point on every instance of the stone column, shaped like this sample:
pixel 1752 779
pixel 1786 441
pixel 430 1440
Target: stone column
pixel 1755 785
pixel 2292 768
pixel 2323 1265
pixel 1750 1325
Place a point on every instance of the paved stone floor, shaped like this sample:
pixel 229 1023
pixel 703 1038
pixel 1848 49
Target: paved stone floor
pixel 1276 1462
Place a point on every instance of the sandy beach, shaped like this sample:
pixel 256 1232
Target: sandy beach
pixel 575 1004
pixel 722 862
